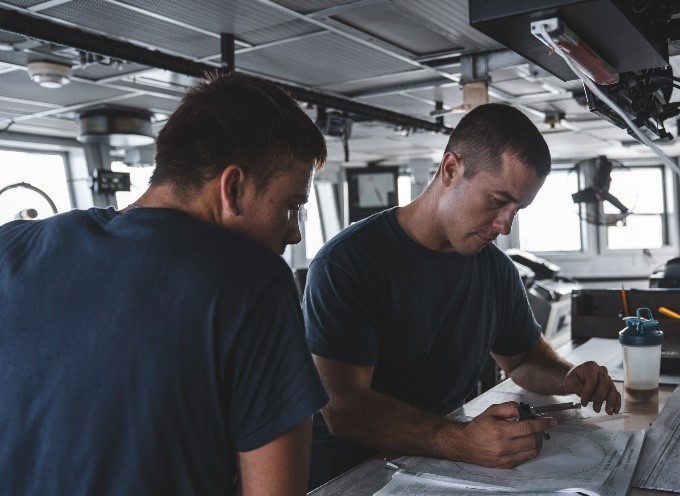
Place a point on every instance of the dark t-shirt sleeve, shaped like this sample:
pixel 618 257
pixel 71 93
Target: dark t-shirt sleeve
pixel 519 331
pixel 338 321
pixel 272 382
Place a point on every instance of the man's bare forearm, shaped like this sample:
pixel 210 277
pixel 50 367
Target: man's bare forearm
pixel 389 425
pixel 542 371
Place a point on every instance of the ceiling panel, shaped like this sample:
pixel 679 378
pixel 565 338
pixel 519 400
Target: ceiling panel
pixel 450 17
pixel 248 20
pixel 309 6
pixel 13 108
pixel 18 85
pixel 101 71
pixel 451 95
pixel 7 37
pixel 518 87
pixel 153 103
pixel 281 32
pixel 102 16
pixel 396 26
pixel 400 103
pixel 24 3
pixel 14 58
pixel 385 82
pixel 47 125
pixel 320 60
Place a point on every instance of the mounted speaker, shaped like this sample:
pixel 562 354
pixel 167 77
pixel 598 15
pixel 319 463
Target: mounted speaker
pixel 117 127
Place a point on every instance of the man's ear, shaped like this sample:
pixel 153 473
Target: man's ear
pixel 451 168
pixel 232 183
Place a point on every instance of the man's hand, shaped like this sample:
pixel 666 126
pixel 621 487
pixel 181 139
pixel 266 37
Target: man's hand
pixel 492 440
pixel 592 383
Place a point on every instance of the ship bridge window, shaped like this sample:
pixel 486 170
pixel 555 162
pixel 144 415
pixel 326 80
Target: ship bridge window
pixel 32 185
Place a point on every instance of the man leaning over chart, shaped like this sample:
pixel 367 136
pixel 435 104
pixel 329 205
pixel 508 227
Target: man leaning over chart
pixel 402 310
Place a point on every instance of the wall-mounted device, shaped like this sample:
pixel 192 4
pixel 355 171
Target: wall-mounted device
pixel 370 190
pixel 107 181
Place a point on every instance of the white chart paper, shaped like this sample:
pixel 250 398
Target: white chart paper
pixel 659 466
pixel 574 459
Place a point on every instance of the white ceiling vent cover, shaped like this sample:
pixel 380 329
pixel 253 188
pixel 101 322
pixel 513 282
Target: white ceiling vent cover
pixel 49 74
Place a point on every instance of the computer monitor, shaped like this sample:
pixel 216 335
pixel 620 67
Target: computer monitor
pixel 370 190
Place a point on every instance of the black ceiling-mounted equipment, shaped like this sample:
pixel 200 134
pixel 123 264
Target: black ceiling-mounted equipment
pixel 629 36
pixel 117 127
pixel 644 96
pixel 595 176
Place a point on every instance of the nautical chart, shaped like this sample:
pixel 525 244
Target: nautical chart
pixel 593 461
pixel 566 455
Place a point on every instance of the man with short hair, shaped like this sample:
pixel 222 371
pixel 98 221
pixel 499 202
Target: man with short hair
pixel 160 349
pixel 402 310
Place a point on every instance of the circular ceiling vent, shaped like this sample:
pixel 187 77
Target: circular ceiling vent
pixel 120 128
pixel 49 74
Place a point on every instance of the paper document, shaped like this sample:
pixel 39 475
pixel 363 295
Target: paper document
pixel 575 459
pixel 660 458
pixel 364 479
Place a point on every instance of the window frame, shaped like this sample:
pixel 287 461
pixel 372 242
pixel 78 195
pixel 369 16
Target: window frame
pixel 596 259
pixel 48 151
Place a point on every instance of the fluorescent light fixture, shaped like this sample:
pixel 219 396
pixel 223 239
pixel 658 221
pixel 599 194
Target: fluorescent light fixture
pixel 577 50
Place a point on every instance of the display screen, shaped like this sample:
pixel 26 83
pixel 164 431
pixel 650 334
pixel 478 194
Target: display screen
pixel 370 190
pixel 375 190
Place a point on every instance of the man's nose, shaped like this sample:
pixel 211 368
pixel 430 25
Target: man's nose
pixel 503 221
pixel 293 234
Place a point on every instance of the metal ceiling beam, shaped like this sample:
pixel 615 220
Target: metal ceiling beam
pixel 35 27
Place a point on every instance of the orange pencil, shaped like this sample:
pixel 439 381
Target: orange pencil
pixel 669 313
pixel 625 301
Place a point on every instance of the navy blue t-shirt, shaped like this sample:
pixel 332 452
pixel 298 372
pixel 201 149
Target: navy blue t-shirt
pixel 426 320
pixel 140 352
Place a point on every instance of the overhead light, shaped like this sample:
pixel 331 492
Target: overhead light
pixel 575 49
pixel 49 74
pixel 115 126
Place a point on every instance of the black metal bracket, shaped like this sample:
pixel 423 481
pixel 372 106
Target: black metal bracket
pixel 228 47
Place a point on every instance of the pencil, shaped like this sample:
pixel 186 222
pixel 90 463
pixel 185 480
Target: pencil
pixel 625 301
pixel 669 313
